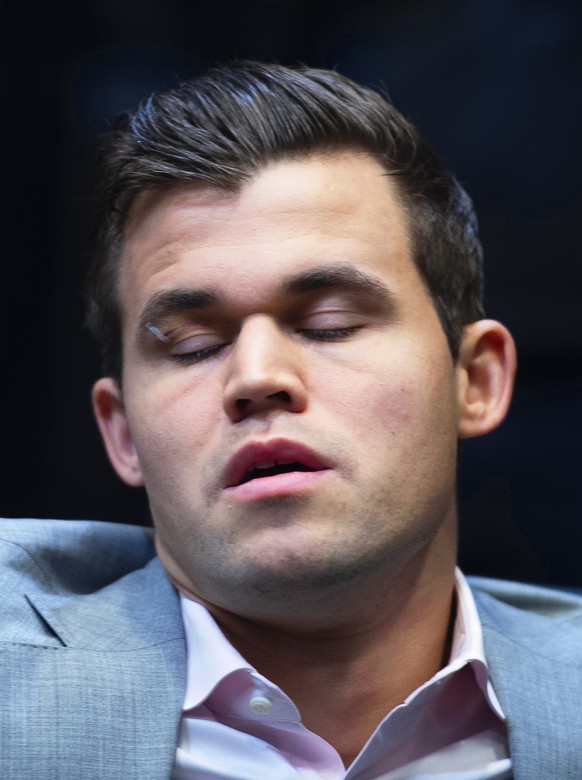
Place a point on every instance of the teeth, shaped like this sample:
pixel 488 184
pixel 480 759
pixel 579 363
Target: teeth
pixel 269 464
pixel 265 464
pixel 271 468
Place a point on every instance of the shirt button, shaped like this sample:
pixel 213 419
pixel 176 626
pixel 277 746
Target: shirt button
pixel 260 705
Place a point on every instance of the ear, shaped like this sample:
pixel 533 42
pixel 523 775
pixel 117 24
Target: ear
pixel 485 374
pixel 114 426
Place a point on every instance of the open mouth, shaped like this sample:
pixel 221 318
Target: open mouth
pixel 285 459
pixel 272 468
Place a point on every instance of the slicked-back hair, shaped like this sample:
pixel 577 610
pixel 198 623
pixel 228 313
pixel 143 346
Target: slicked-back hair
pixel 221 129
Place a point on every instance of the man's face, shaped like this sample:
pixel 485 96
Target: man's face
pixel 288 389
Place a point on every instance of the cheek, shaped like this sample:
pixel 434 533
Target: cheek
pixel 392 407
pixel 405 404
pixel 170 427
pixel 372 399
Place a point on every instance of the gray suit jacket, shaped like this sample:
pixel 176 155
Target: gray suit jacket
pixel 92 659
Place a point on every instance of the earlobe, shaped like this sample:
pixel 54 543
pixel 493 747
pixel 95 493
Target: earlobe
pixel 485 375
pixel 114 426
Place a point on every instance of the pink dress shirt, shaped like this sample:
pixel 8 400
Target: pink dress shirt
pixel 237 725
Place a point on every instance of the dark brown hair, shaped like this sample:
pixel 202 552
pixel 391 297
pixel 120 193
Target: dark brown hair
pixel 220 129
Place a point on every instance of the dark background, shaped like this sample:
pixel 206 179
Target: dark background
pixel 496 86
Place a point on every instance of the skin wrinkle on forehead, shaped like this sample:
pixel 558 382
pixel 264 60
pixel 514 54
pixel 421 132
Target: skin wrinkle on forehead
pixel 218 205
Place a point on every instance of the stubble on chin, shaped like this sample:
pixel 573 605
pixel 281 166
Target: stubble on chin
pixel 290 572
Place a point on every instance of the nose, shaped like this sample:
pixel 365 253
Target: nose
pixel 264 372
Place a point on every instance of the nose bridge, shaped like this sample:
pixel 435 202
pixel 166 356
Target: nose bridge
pixel 260 345
pixel 263 371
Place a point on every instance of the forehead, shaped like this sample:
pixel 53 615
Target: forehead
pixel 336 208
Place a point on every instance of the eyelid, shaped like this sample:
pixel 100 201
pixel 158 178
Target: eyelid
pixel 322 319
pixel 196 342
pixel 186 336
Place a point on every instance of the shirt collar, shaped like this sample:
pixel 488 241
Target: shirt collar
pixel 467 642
pixel 210 656
pixel 467 645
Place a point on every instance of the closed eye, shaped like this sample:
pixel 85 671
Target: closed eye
pixel 197 355
pixel 192 356
pixel 187 345
pixel 327 323
pixel 330 334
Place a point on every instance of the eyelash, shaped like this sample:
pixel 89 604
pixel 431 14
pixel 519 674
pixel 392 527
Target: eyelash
pixel 190 358
pixel 316 334
pixel 330 334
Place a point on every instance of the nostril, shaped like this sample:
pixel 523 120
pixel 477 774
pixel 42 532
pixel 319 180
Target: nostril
pixel 281 395
pixel 242 404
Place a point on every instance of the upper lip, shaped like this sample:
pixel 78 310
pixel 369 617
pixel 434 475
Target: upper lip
pixel 261 452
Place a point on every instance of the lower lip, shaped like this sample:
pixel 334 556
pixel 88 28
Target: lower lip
pixel 290 484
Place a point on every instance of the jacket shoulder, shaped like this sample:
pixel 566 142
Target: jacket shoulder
pixel 538 599
pixel 547 619
pixel 70 556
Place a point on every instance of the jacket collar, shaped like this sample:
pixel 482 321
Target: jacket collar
pixel 115 679
pixel 137 611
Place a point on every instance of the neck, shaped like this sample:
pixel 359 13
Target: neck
pixel 345 678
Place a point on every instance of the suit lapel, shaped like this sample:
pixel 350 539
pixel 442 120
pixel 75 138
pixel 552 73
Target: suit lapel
pixel 116 683
pixel 539 693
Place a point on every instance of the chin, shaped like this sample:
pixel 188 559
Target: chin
pixel 290 582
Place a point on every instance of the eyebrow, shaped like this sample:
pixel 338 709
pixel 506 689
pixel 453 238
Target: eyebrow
pixel 340 276
pixel 169 302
